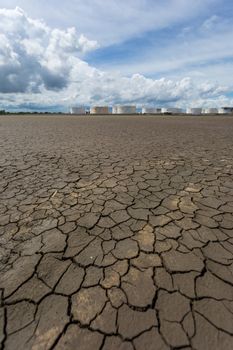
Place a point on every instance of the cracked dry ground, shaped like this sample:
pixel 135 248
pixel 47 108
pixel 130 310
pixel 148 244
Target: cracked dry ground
pixel 116 233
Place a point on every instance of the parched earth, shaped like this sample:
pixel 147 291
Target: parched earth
pixel 116 233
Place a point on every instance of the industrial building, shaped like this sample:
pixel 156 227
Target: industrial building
pixel 172 110
pixel 151 110
pixel 100 110
pixel 194 111
pixel 225 110
pixel 78 110
pixel 124 110
pixel 210 111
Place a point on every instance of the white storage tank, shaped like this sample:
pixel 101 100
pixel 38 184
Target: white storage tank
pixel 151 110
pixel 194 111
pixel 171 110
pixel 126 110
pixel 114 109
pixel 225 110
pixel 78 110
pixel 209 111
pixel 100 110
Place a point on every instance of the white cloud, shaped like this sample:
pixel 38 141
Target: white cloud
pixel 93 87
pixel 193 49
pixel 33 54
pixel 41 66
pixel 209 23
pixel 114 21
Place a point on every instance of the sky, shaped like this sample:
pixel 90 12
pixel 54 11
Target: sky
pixel 55 54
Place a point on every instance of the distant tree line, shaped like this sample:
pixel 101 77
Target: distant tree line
pixel 3 112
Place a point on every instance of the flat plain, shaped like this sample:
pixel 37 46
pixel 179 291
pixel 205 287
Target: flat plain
pixel 116 232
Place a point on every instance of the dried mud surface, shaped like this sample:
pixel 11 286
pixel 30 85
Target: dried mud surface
pixel 116 233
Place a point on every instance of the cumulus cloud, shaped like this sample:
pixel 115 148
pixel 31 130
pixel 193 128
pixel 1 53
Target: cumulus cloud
pixel 42 67
pixel 33 55
pixel 141 90
pixel 93 87
pixel 114 21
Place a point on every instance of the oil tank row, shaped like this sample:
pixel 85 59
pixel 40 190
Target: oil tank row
pixel 192 111
pixel 104 110
pixel 94 110
pixel 118 109
pixel 198 111
pixel 131 109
